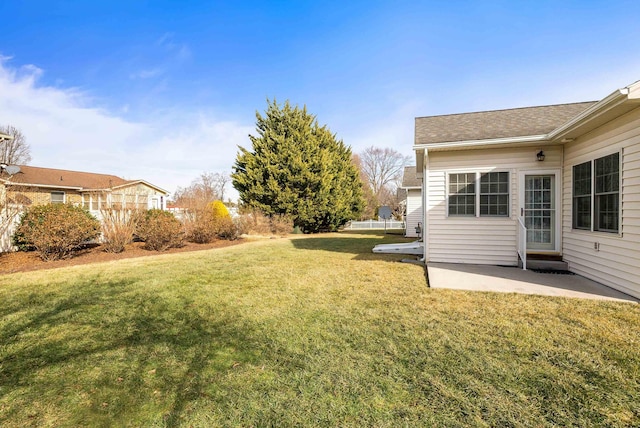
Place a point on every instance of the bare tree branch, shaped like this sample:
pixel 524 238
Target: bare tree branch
pixel 382 169
pixel 16 151
pixel 204 189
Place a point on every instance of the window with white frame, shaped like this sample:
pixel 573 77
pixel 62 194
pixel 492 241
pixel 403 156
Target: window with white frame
pixel 478 194
pixel 494 194
pixel 596 194
pixel 462 194
pixel 57 197
pixel 582 196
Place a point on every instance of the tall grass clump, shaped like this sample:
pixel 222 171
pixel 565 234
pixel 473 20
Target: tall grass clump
pixel 255 222
pixel 118 228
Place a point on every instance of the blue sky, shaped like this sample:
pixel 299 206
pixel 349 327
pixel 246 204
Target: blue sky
pixel 165 90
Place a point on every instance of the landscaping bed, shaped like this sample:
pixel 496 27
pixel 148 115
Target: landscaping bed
pixel 21 261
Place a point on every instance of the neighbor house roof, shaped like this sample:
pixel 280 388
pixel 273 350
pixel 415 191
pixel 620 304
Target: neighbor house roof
pixel 65 179
pixel 495 124
pixel 410 178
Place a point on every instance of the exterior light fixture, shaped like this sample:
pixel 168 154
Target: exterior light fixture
pixel 540 156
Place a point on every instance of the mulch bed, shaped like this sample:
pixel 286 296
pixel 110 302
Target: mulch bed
pixel 29 261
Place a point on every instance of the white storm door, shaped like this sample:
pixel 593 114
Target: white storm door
pixel 539 211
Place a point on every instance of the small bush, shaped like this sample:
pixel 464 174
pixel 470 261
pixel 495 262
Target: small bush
pixel 199 226
pixel 255 222
pixel 56 231
pixel 160 230
pixel 118 228
pixel 228 229
pixel 281 224
pixel 219 211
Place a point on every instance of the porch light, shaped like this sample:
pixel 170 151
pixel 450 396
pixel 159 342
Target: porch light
pixel 540 156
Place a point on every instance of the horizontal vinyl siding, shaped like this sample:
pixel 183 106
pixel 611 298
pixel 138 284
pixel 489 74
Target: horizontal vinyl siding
pixel 617 263
pixel 414 211
pixel 479 240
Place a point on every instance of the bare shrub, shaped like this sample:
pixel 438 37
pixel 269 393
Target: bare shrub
pixel 160 230
pixel 228 229
pixel 199 226
pixel 56 231
pixel 118 228
pixel 256 223
pixel 281 224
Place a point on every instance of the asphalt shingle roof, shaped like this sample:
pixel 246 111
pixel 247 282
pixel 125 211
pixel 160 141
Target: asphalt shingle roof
pixel 484 125
pixel 409 178
pixel 32 175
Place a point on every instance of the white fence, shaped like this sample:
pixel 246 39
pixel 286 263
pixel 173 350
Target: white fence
pixel 374 224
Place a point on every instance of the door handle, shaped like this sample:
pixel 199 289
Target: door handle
pixel 521 212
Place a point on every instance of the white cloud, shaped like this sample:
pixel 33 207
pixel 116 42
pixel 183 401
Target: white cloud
pixel 66 131
pixel 146 74
pixel 180 51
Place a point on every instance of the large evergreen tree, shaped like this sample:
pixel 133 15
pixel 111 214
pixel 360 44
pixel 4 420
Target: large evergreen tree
pixel 298 168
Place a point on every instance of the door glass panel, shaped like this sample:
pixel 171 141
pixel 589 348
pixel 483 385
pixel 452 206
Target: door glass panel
pixel 539 211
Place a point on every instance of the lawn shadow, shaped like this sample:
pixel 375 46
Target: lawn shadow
pixel 360 247
pixel 116 345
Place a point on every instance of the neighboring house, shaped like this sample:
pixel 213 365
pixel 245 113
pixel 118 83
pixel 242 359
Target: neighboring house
pixel 559 180
pixel 37 186
pixel 24 186
pixel 412 187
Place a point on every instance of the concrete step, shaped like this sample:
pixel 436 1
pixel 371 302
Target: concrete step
pixel 551 265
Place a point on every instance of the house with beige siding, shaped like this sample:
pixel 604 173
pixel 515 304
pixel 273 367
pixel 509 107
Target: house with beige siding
pixel 555 182
pixel 24 186
pixel 412 187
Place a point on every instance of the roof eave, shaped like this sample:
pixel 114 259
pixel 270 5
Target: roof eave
pixel 614 105
pixel 46 186
pixel 452 145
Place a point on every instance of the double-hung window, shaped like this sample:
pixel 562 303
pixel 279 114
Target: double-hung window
pixel 494 194
pixel 479 194
pixel 596 194
pixel 462 194
pixel 57 197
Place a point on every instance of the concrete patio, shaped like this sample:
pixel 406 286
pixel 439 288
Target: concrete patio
pixel 515 280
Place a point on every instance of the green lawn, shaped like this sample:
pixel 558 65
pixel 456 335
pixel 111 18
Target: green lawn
pixel 312 331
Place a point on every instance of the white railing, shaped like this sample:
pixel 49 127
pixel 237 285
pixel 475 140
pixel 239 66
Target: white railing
pixel 374 224
pixel 522 243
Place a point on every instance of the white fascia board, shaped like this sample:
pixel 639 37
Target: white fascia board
pixel 601 107
pixel 480 143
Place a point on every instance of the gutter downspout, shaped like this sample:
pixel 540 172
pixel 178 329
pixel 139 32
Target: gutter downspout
pixel 425 200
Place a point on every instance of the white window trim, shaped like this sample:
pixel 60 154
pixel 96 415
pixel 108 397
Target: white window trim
pixel 592 162
pixel 478 175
